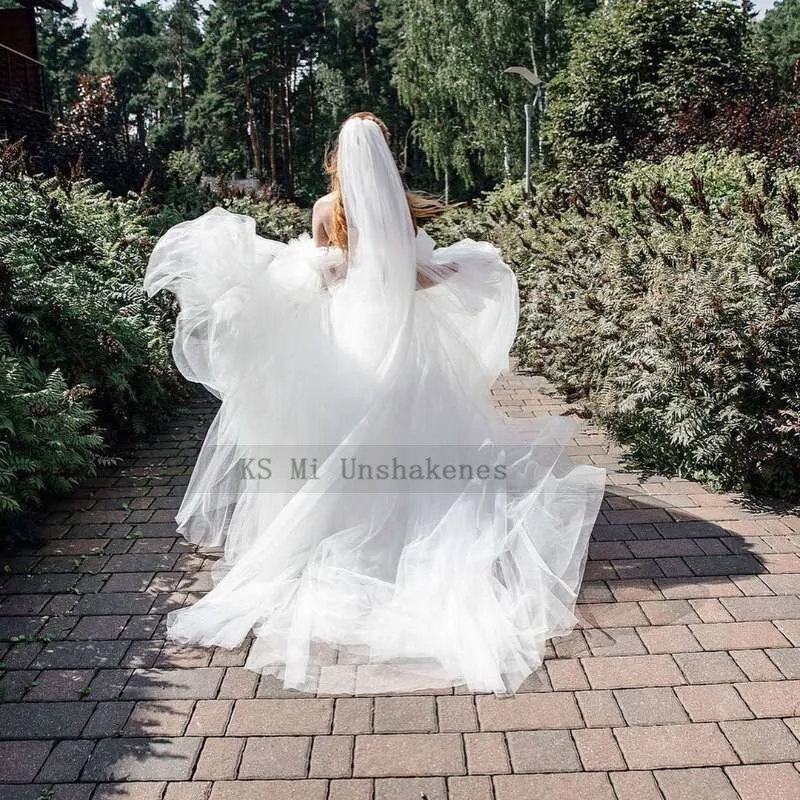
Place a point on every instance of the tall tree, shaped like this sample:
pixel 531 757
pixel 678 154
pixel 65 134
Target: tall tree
pixel 125 44
pixel 179 74
pixel 469 114
pixel 778 37
pixel 633 65
pixel 64 50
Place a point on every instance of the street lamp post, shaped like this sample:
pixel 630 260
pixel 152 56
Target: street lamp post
pixel 530 108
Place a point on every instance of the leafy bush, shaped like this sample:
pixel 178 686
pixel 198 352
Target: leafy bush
pixel 187 197
pixel 631 66
pixel 670 302
pixel 48 440
pixel 84 356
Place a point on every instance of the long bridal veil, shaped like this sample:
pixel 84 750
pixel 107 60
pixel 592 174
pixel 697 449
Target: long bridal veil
pixel 383 529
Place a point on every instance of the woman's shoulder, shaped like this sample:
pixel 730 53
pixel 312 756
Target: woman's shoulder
pixel 324 202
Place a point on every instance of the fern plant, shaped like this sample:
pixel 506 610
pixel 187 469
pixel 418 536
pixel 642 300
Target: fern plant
pixel 669 302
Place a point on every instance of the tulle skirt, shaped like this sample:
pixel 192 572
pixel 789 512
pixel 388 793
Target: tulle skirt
pixel 379 535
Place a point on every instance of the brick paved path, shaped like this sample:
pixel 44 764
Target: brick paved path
pixel 683 680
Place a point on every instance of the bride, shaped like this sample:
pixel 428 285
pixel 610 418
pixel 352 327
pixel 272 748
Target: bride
pixel 383 529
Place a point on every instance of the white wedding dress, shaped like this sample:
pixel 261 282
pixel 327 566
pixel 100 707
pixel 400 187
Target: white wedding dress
pixel 418 580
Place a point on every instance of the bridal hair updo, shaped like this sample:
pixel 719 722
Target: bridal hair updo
pixel 421 206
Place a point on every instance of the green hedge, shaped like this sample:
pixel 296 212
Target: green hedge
pixel 84 356
pixel 670 303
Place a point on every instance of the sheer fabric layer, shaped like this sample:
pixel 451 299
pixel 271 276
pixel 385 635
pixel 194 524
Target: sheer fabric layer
pixel 416 588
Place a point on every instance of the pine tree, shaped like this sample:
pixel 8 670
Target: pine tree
pixel 179 74
pixel 124 43
pixel 64 50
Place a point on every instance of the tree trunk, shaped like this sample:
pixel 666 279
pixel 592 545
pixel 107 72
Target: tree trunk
pixel 252 127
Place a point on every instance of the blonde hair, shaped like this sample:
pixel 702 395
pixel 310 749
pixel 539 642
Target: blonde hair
pixel 420 205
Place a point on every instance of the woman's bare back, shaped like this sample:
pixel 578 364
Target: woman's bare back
pixel 321 220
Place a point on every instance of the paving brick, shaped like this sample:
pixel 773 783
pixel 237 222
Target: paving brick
pixel 269 790
pixel 271 687
pixel 738 635
pixel 276 717
pixel 80 655
pixel 486 753
pixel 331 757
pixel 386 679
pixel 133 790
pixel 557 786
pixel 66 761
pixel 525 711
pixel 159 718
pixel 107 719
pixel 219 759
pixel 638 590
pixel 188 790
pixel 709 783
pixel 411 714
pixel 763 608
pixel 69 791
pixel 712 702
pixel 22 760
pixel 469 787
pixel 351 789
pixel 787 660
pixel 655 592
pixel 621 672
pixel 773 781
pixel 598 749
pixel 566 674
pixel 113 603
pixel 161 759
pixel 656 706
pixel 353 715
pixel 59 684
pixel 615 642
pixel 336 679
pixel 599 709
pixel 710 610
pixel 168 684
pixel 275 757
pixel 408 754
pixel 43 720
pixel 771 698
pixel 669 612
pixel 210 718
pixel 712 667
pixel 691 588
pixel 573 645
pixel 668 639
pixel 238 683
pixel 665 746
pixel 611 615
pixel 762 740
pixel 141 655
pixel 636 785
pixel 99 627
pixel 456 713
pixel 403 788
pixel 756 665
pixel 542 751
pixel 107 684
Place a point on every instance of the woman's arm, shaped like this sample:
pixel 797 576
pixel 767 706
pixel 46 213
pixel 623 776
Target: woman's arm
pixel 429 277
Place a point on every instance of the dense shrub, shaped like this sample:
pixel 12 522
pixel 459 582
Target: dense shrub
pixel 186 196
pixel 84 356
pixel 631 66
pixel 670 302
